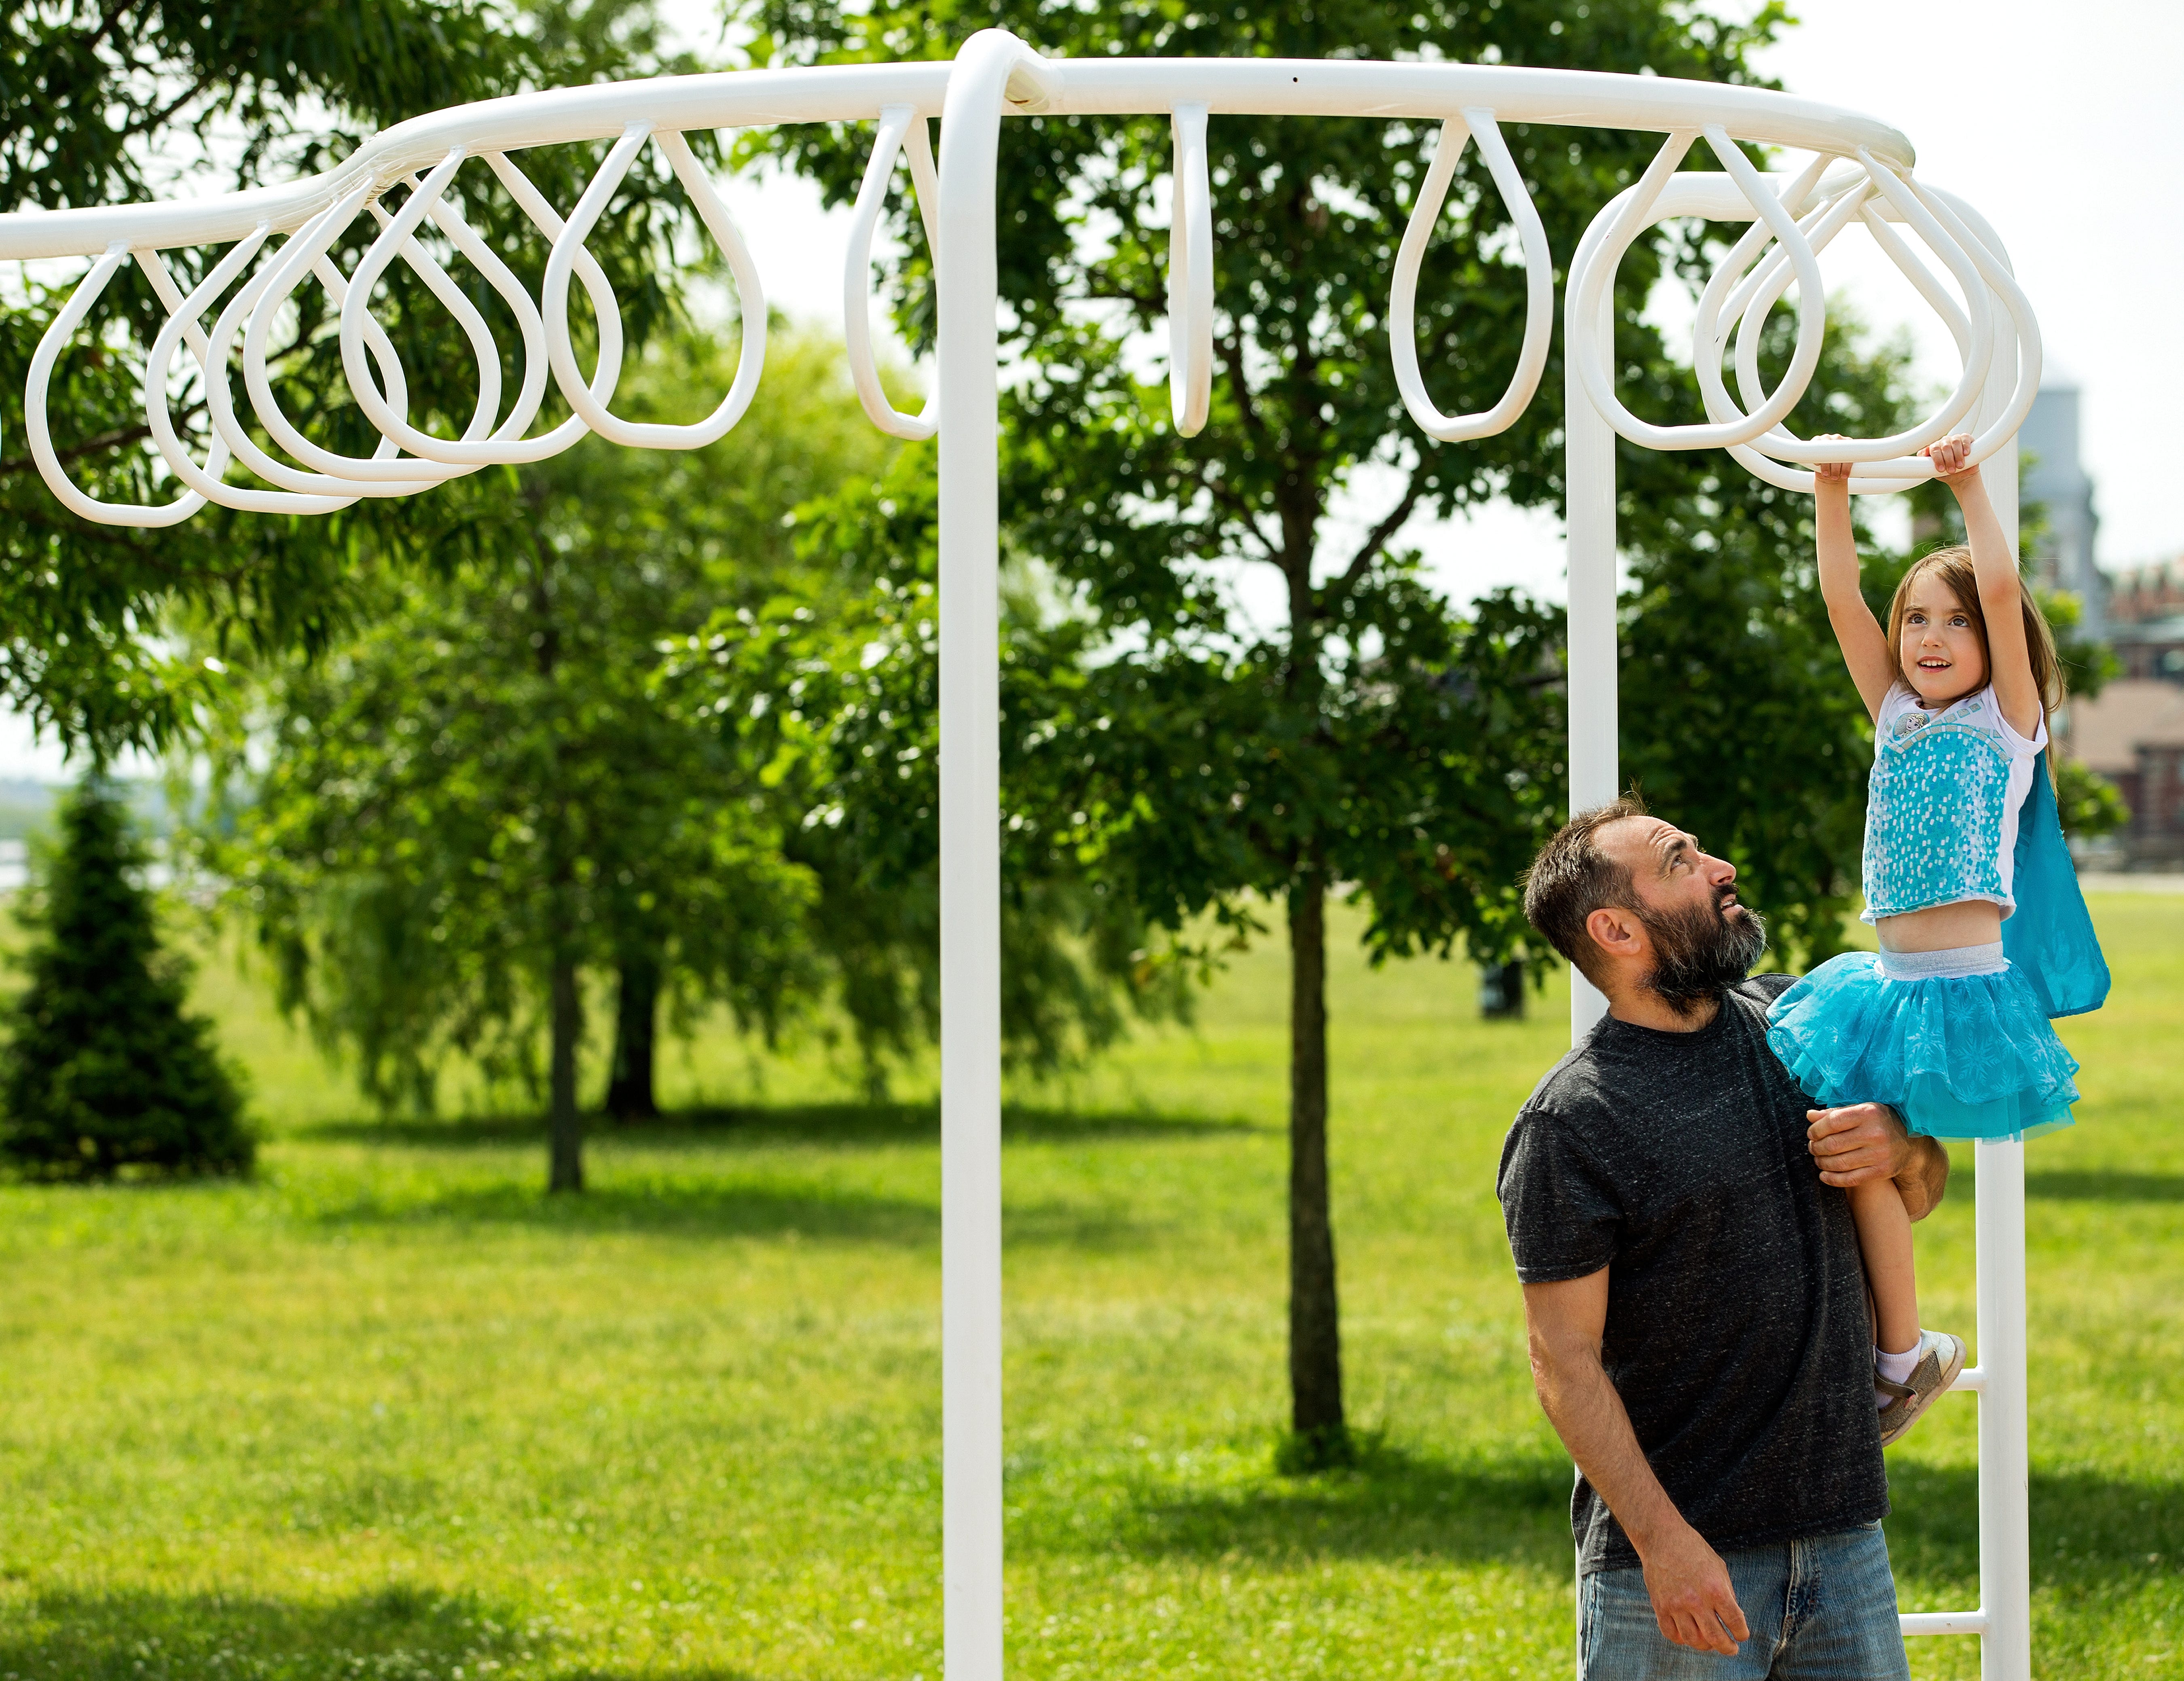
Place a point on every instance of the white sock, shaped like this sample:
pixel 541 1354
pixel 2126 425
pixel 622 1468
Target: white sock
pixel 1897 1368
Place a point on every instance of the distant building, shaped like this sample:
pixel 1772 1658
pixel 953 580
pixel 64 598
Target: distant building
pixel 2062 555
pixel 2132 732
pixel 2146 621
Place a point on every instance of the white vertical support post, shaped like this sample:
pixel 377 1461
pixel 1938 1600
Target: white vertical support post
pixel 1589 526
pixel 2005 1540
pixel 2005 1528
pixel 971 865
pixel 1589 534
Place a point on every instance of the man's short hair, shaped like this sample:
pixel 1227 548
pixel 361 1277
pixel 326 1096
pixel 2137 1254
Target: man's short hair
pixel 1573 877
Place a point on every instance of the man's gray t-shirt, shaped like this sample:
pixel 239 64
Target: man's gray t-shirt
pixel 1736 1333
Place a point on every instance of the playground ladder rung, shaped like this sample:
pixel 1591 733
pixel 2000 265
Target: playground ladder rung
pixel 1943 1623
pixel 1972 1380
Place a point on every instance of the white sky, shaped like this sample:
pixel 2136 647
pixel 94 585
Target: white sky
pixel 2064 127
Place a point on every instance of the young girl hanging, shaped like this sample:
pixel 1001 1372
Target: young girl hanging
pixel 1984 935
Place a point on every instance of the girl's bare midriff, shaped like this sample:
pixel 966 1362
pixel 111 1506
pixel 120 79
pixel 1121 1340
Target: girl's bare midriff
pixel 1942 927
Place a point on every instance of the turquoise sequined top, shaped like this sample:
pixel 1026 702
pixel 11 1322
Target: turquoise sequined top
pixel 1943 804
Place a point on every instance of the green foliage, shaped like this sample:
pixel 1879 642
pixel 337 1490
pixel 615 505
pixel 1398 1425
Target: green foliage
pixel 104 1071
pixel 86 87
pixel 88 97
pixel 2088 803
pixel 834 683
pixel 2088 667
pixel 478 787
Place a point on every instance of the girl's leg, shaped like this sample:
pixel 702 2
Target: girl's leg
pixel 1884 1239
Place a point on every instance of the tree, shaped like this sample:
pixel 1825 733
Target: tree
pixel 1375 737
pixel 97 104
pixel 104 1070
pixel 475 800
pixel 622 738
pixel 834 683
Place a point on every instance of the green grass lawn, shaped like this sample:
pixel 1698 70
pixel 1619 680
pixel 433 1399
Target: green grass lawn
pixel 387 1412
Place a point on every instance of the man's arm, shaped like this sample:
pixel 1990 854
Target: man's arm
pixel 1866 1141
pixel 1688 1582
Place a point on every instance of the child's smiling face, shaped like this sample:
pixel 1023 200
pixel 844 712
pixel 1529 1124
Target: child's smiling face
pixel 1943 653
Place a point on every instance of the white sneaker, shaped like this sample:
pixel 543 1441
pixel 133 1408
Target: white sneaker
pixel 1940 1358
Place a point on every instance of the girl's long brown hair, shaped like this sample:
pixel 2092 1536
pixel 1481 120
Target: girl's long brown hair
pixel 1953 567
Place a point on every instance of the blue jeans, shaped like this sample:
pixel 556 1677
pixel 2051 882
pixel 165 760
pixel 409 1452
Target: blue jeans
pixel 1819 1609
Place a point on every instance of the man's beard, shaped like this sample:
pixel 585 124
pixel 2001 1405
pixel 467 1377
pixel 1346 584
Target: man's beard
pixel 1699 950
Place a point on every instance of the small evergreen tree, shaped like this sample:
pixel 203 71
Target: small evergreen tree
pixel 103 1070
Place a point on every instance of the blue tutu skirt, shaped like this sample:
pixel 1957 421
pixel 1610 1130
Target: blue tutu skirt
pixel 1958 1056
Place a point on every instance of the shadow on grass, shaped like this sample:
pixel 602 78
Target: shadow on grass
pixel 2101 1187
pixel 848 1125
pixel 398 1634
pixel 664 1207
pixel 704 1209
pixel 2089 1531
pixel 1393 1504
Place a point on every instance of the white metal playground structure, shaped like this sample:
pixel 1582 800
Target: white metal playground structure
pixel 1859 170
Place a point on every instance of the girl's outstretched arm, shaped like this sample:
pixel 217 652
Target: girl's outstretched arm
pixel 1864 644
pixel 2001 601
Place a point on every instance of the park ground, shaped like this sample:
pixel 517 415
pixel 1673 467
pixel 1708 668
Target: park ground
pixel 386 1411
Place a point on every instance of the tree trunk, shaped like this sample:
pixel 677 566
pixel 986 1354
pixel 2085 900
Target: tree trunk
pixel 564 1126
pixel 636 1012
pixel 1502 992
pixel 1315 1324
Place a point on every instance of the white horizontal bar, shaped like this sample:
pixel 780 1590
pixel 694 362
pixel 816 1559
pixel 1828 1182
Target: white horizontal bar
pixel 1942 1623
pixel 1317 87
pixel 1972 1378
pixel 829 93
pixel 855 94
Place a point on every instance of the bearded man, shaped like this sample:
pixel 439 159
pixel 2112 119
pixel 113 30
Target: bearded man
pixel 1693 1296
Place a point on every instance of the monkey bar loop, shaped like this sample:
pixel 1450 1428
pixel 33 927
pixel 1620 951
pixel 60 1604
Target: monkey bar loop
pixel 1860 170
